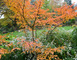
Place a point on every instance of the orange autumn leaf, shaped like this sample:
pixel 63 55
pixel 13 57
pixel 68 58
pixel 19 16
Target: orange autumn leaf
pixel 15 49
pixel 0 56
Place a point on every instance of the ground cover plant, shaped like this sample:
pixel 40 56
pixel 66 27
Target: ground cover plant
pixel 18 39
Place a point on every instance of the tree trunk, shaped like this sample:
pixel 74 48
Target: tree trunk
pixel 36 33
pixel 25 30
pixel 33 34
pixel 76 20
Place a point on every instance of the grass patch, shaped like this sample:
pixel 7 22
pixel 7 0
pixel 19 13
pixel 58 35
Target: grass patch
pixel 65 28
pixel 15 34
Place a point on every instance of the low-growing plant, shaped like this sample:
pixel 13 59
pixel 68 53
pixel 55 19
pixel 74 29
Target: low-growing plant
pixel 30 51
pixel 74 38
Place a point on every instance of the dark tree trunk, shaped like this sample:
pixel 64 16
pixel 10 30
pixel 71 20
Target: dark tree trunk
pixel 36 33
pixel 76 20
pixel 33 34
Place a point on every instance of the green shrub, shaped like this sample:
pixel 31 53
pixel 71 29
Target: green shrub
pixel 37 53
pixel 74 33
pixel 18 55
pixel 59 37
pixel 66 54
pixel 26 55
pixel 74 38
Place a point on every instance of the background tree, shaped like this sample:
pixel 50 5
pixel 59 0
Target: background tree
pixel 7 21
pixel 68 2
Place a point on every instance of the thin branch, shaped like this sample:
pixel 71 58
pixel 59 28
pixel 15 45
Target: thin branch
pixel 56 27
pixel 37 14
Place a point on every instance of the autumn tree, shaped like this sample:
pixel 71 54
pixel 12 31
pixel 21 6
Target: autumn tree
pixel 32 15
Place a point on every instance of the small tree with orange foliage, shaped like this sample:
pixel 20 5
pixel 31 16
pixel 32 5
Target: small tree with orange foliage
pixel 32 15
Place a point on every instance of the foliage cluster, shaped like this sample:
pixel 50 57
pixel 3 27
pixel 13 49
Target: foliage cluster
pixel 2 40
pixel 28 50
